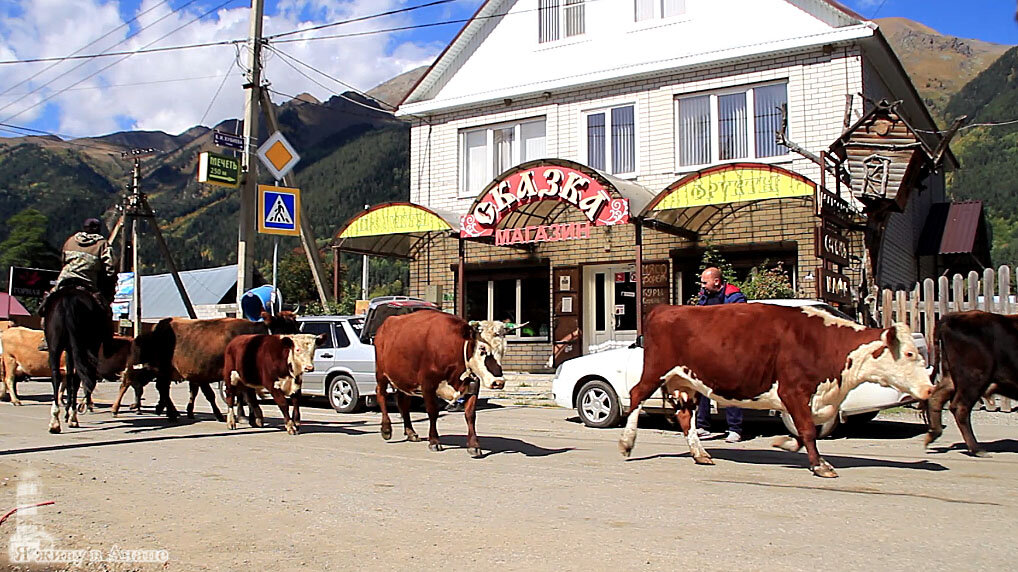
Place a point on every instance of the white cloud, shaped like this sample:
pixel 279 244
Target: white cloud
pixel 48 28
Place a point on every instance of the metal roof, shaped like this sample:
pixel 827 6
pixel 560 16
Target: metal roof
pixel 160 299
pixel 16 309
pixel 952 228
pixel 398 229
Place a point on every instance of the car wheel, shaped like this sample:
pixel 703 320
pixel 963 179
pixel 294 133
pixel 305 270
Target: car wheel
pixel 598 405
pixel 343 394
pixel 822 430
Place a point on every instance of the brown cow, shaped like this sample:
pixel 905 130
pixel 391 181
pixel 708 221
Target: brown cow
pixel 179 349
pixel 273 364
pixel 22 358
pixel 803 361
pixel 977 352
pixel 434 354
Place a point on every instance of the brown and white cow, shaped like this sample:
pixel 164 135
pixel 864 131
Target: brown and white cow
pixel 978 352
pixel 21 358
pixel 800 360
pixel 434 354
pixel 179 349
pixel 274 364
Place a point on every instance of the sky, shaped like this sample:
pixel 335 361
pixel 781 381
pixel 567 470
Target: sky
pixel 173 91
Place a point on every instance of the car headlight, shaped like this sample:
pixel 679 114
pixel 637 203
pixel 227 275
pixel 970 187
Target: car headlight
pixel 558 370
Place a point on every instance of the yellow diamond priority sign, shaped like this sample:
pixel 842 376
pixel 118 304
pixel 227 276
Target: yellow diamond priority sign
pixel 278 155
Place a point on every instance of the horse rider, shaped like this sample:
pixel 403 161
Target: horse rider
pixel 88 263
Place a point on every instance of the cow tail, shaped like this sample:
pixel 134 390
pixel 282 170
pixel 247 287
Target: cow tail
pixel 939 360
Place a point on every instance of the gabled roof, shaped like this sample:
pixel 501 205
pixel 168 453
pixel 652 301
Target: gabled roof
pixel 846 26
pixel 954 228
pixel 160 299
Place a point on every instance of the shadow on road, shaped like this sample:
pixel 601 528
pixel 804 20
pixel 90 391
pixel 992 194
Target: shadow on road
pixel 502 445
pixel 858 491
pixel 799 460
pixel 89 445
pixel 1000 446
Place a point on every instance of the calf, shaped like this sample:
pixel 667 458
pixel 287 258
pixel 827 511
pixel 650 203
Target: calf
pixel 800 360
pixel 267 363
pixel 977 353
pixel 434 354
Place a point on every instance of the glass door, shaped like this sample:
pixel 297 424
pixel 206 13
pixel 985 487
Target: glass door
pixel 610 306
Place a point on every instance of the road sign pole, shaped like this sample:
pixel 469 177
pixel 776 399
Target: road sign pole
pixel 248 192
pixel 10 292
pixel 275 266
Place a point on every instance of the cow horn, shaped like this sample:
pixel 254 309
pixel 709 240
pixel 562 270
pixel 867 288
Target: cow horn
pixel 518 326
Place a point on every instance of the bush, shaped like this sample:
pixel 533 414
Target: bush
pixel 766 283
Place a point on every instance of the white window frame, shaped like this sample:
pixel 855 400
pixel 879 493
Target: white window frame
pixel 606 110
pixel 658 15
pixel 515 336
pixel 463 191
pixel 562 23
pixel 715 127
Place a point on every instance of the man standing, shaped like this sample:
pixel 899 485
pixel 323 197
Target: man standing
pixel 714 290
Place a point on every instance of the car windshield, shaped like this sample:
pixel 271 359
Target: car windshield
pixel 357 324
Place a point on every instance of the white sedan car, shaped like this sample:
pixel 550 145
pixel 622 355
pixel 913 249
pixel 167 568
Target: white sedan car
pixel 598 385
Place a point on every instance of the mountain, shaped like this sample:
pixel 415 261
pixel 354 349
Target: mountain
pixel 352 151
pixel 939 65
pixel 393 91
pixel 989 154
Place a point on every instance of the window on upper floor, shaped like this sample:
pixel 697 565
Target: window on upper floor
pixel 729 125
pixel 611 139
pixel 657 9
pixel 560 19
pixel 488 151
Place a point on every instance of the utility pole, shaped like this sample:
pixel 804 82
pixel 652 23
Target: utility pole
pixel 136 207
pixel 249 191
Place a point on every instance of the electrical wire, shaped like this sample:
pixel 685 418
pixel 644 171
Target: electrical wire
pixel 100 70
pixel 360 18
pixel 134 84
pixel 214 96
pixel 75 68
pixel 286 56
pixel 93 42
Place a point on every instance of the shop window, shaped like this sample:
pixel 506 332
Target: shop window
pixel 560 19
pixel 488 151
pixel 654 9
pixel 611 140
pixel 731 125
pixel 513 297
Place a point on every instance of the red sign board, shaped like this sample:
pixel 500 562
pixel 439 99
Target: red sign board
pixel 543 183
pixel 542 233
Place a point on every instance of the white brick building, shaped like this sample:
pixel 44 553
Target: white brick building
pixel 643 92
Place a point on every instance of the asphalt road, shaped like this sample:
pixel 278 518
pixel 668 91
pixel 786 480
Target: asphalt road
pixel 549 494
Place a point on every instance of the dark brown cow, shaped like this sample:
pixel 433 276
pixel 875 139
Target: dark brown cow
pixel 434 354
pixel 19 348
pixel 179 349
pixel 273 364
pixel 800 360
pixel 978 353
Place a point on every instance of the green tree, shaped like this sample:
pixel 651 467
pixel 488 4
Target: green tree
pixel 26 243
pixel 765 283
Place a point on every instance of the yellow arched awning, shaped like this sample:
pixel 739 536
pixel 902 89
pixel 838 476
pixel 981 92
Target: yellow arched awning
pixel 395 229
pixel 538 192
pixel 689 204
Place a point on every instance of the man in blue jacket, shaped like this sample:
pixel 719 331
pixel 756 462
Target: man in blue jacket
pixel 714 290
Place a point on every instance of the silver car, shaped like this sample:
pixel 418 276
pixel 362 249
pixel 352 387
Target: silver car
pixel 344 367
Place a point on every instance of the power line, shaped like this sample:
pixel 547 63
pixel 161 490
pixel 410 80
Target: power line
pixel 215 95
pixel 93 42
pixel 287 56
pixel 30 132
pixel 972 125
pixel 127 53
pixel 75 68
pixel 100 70
pixel 360 19
pixel 134 84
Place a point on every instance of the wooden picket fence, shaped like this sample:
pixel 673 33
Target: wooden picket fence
pixel 923 305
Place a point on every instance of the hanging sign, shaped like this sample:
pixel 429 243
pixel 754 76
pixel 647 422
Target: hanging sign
pixel 832 246
pixel 540 183
pixel 834 286
pixel 29 282
pixel 216 169
pixel 833 208
pixel 278 210
pixel 228 140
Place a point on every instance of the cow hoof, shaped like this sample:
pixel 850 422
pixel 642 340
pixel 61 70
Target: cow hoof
pixel 16 403
pixel 73 424
pixel 258 422
pixel 190 415
pixel 826 471
pixel 474 451
pixel 219 417
pixel 81 408
pixel 789 444
pixel 435 447
pixel 703 460
pixel 291 428
pixel 386 433
pixel 54 429
pixel 413 437
pixel 980 453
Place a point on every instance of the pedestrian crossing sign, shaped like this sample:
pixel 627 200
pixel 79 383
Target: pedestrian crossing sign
pixel 278 210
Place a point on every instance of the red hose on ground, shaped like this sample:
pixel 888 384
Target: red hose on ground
pixel 14 510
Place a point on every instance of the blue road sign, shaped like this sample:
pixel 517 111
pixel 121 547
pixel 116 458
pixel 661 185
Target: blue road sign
pixel 278 210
